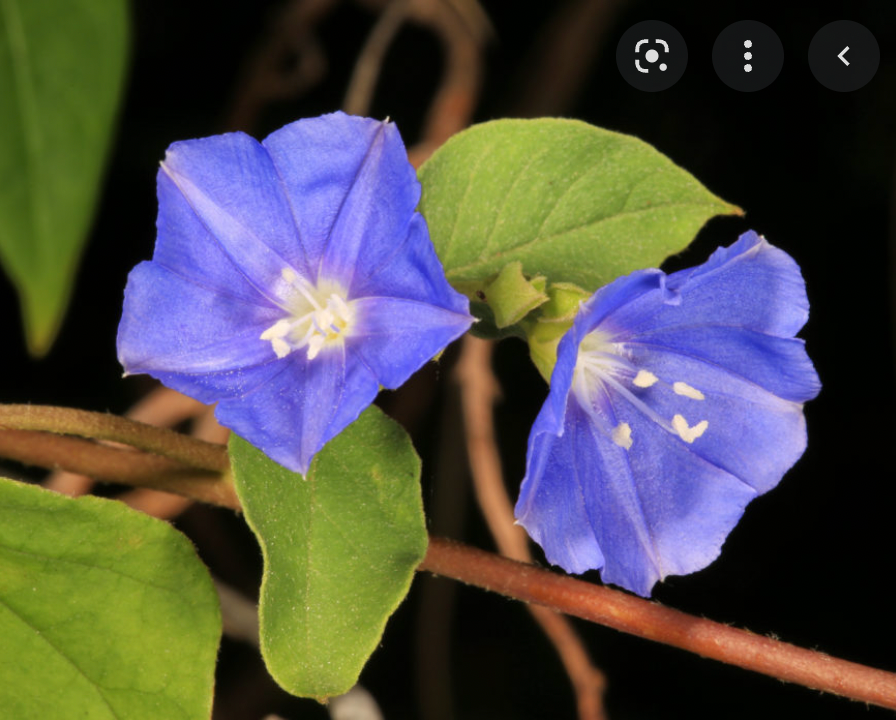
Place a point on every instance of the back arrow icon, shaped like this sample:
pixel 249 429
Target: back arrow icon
pixel 842 53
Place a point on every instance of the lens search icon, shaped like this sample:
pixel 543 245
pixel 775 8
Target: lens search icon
pixel 651 55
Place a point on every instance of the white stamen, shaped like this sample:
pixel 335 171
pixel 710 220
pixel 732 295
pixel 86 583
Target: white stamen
pixel 688 434
pixel 644 379
pixel 622 435
pixel 681 388
pixel 281 347
pixel 314 345
pixel 317 316
pixel 277 330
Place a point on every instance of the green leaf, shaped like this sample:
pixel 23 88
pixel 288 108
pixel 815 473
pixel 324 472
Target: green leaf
pixel 569 201
pixel 340 547
pixel 61 71
pixel 104 612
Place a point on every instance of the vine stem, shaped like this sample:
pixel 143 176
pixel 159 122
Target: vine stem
pixel 650 620
pixel 517 580
pixel 184 449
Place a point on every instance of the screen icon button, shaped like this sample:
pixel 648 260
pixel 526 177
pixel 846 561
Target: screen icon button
pixel 748 56
pixel 651 55
pixel 844 56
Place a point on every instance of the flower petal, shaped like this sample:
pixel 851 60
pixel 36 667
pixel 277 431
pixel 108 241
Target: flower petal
pixel 551 505
pixel 395 337
pixel 751 285
pixel 751 433
pixel 778 365
pixel 203 330
pixel 660 509
pixel 293 415
pixel 411 270
pixel 232 186
pixel 356 188
pixel 186 247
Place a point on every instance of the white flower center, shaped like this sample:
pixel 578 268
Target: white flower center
pixel 318 316
pixel 603 366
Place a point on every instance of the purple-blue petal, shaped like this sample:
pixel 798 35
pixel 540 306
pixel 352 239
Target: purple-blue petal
pixel 293 415
pixel 232 186
pixel 395 337
pixel 203 330
pixel 751 285
pixel 351 187
pixel 753 433
pixel 775 364
pixel 409 269
pixel 659 508
pixel 186 247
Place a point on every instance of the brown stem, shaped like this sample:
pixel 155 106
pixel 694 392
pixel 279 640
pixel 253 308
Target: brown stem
pixel 367 69
pixel 101 426
pixel 514 579
pixel 650 620
pixel 111 464
pixel 479 390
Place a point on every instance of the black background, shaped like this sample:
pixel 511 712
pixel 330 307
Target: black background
pixel 811 561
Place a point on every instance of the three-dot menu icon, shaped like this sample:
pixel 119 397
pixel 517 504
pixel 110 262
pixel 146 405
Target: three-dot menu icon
pixel 748 56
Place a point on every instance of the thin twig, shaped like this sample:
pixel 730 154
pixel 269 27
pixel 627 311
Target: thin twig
pixel 479 390
pixel 650 620
pixel 288 62
pixel 101 426
pixel 161 407
pixel 370 60
pixel 169 409
pixel 463 29
pixel 109 464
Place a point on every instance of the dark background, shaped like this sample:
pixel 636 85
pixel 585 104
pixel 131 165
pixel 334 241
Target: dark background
pixel 811 561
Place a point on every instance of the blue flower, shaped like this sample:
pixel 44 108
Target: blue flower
pixel 676 399
pixel 290 280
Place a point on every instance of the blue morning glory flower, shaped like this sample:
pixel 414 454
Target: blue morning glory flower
pixel 290 280
pixel 676 399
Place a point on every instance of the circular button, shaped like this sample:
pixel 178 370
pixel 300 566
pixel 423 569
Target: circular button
pixel 748 56
pixel 651 56
pixel 844 56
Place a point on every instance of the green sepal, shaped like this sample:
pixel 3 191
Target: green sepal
pixel 545 328
pixel 512 296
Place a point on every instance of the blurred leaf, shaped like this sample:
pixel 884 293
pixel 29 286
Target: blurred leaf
pixel 104 612
pixel 340 547
pixel 61 71
pixel 570 201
